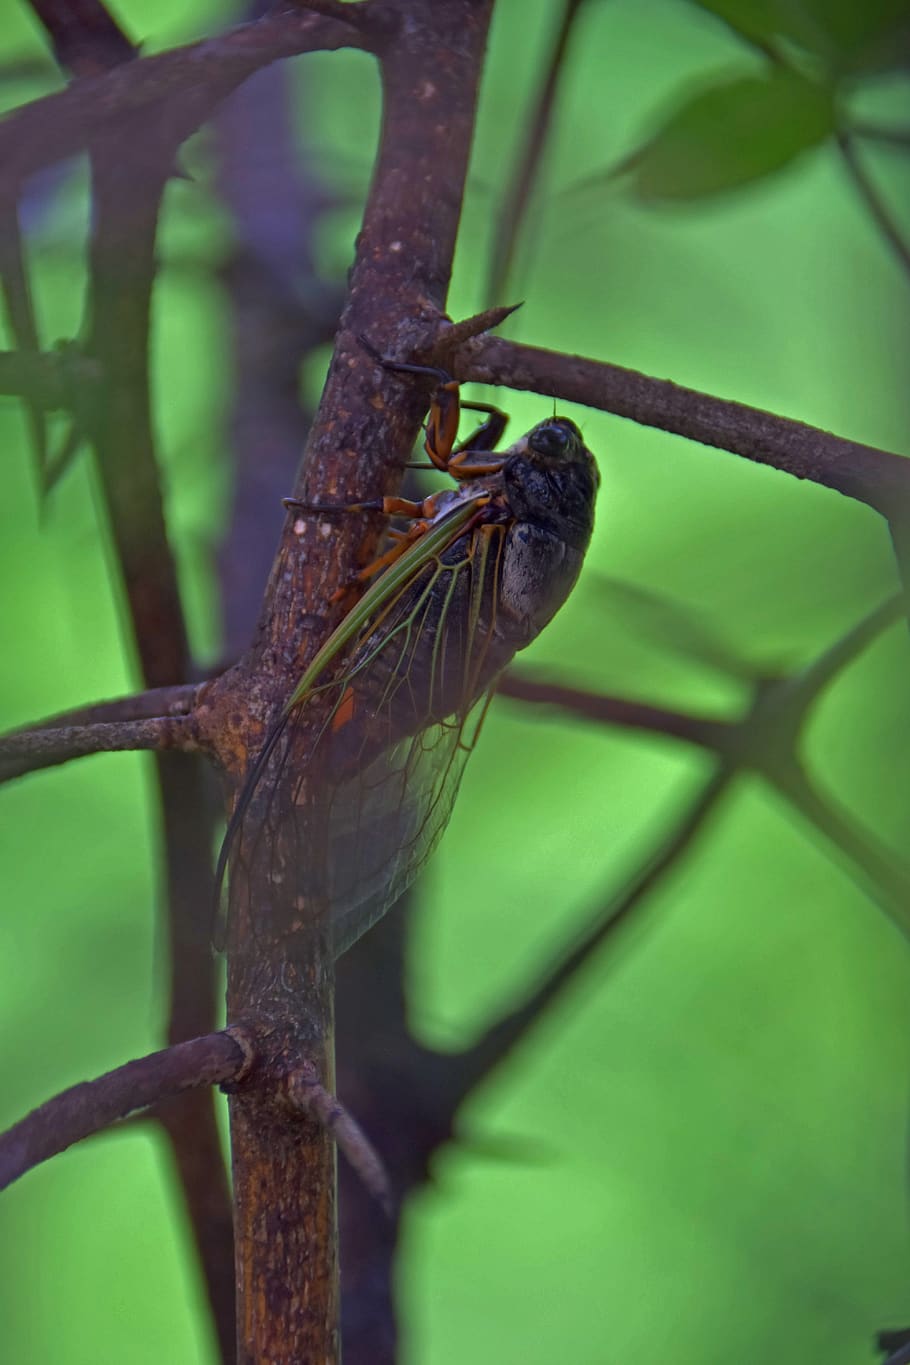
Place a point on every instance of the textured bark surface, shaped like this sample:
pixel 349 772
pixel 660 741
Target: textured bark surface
pixel 280 980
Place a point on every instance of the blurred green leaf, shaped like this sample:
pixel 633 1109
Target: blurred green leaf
pixel 847 36
pixel 732 135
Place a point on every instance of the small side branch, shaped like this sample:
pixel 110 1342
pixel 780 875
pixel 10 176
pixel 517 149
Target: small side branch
pixel 876 477
pixel 28 751
pixel 93 1105
pixel 309 1095
pixel 706 731
pixel 154 703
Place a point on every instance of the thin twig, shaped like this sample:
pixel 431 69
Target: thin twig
pixel 308 1094
pixel 874 202
pixel 29 751
pixel 179 700
pixel 87 1108
pixel 707 731
pixel 877 477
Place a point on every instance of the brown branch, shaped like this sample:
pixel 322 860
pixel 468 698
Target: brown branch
pixel 198 76
pixel 155 702
pixel 311 1097
pixel 279 959
pixel 29 751
pixel 877 477
pixel 281 307
pixel 344 11
pixel 85 37
pixel 87 1108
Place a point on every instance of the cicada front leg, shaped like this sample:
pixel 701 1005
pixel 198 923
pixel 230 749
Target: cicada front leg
pixel 462 461
pixel 445 452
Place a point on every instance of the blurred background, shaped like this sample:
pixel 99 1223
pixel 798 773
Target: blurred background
pixel 699 1151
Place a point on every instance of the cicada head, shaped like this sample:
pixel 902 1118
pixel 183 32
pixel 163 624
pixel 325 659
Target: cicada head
pixel 551 480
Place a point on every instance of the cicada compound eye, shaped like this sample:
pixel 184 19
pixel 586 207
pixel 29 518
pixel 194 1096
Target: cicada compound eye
pixel 552 438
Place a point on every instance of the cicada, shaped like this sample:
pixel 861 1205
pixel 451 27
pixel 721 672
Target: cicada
pixel 379 727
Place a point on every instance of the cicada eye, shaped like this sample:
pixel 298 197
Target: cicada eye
pixel 551 438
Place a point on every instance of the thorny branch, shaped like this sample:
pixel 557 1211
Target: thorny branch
pixel 406 303
pixel 877 477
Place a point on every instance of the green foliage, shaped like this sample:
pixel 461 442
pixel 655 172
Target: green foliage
pixel 734 133
pixel 845 36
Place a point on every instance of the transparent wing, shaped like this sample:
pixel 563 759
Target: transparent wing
pixel 378 749
pixel 384 825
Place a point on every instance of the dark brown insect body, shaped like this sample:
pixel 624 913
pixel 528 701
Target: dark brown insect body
pixel 444 639
pixel 397 689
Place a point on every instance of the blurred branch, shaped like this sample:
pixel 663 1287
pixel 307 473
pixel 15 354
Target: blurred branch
pixel 897 1344
pixel 17 298
pixel 876 477
pixel 131 161
pixel 87 1108
pixel 197 76
pixel 798 692
pixel 710 733
pixel 874 868
pixel 84 36
pixel 766 741
pixel 31 750
pixel 281 310
pixel 51 379
pixel 879 132
pixel 875 204
pixel 467 1069
pixel 518 192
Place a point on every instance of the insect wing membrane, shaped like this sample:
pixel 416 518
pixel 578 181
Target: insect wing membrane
pixel 379 780
pixel 384 825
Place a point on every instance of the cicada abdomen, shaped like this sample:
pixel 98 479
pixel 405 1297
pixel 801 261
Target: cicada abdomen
pixel 400 688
